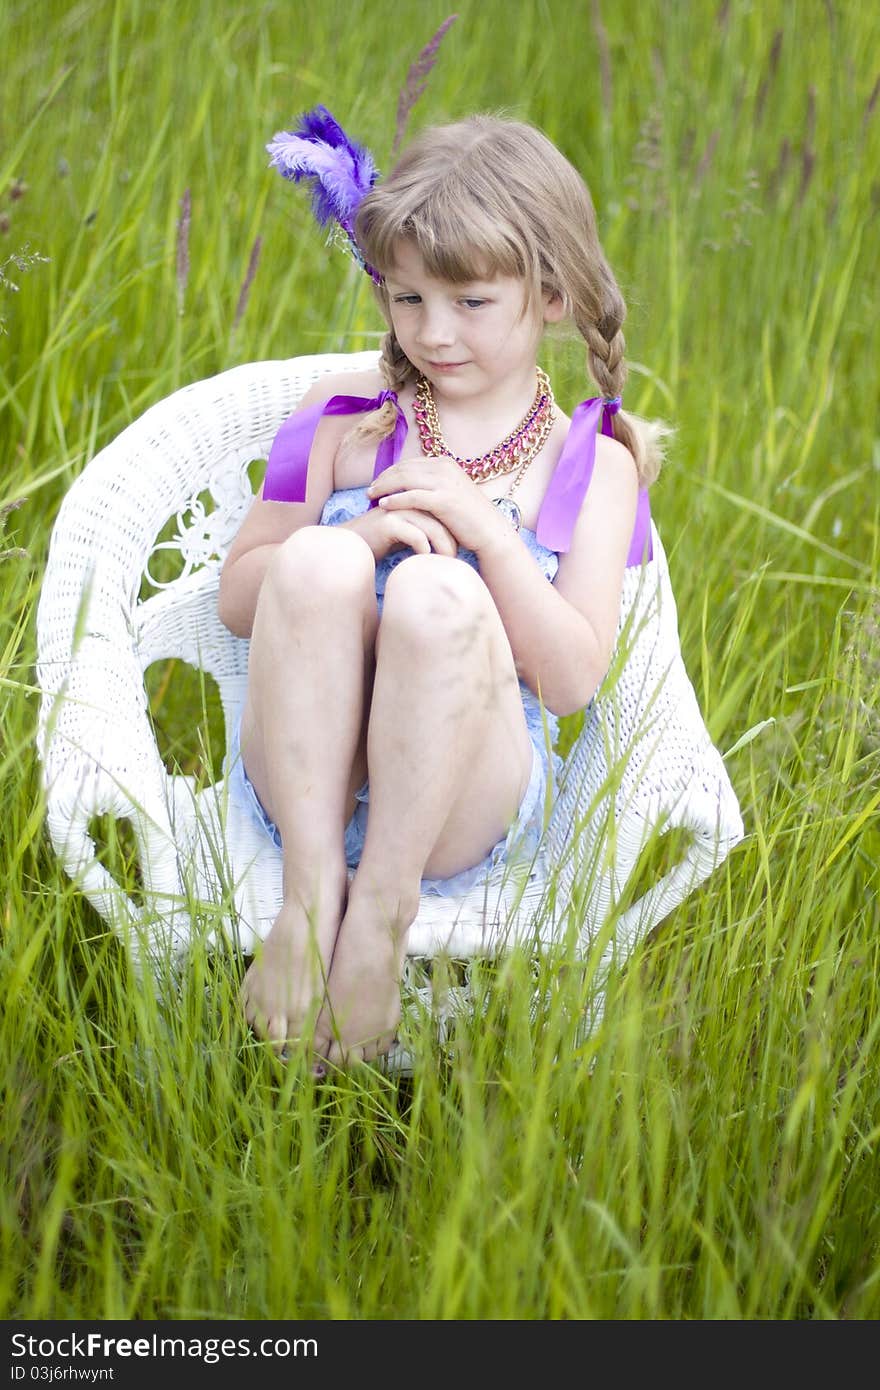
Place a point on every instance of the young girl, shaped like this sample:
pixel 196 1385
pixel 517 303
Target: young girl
pixel 434 563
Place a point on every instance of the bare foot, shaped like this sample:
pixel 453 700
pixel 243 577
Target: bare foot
pixel 284 987
pixel 363 994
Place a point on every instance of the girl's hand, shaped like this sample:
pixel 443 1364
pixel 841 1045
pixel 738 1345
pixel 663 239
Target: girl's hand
pixel 385 531
pixel 438 487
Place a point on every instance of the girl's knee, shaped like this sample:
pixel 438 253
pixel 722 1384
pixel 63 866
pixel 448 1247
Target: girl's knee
pixel 319 562
pixel 427 593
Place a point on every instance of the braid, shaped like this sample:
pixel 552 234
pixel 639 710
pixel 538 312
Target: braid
pixel 394 365
pixel 600 327
pixel 605 358
pixel 396 370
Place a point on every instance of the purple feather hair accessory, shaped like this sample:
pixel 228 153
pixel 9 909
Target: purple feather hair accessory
pixel 341 172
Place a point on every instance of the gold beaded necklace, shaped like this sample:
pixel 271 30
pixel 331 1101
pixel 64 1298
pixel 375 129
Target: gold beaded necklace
pixel 516 450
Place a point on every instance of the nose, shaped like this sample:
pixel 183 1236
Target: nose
pixel 435 328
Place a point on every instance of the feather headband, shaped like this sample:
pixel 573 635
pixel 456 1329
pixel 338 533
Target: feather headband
pixel 341 172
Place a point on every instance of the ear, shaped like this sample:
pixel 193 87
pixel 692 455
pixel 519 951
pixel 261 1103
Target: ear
pixel 553 307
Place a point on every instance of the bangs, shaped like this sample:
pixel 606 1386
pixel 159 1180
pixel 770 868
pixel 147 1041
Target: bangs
pixel 456 236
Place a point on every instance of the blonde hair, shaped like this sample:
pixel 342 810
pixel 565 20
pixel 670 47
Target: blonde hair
pixel 487 196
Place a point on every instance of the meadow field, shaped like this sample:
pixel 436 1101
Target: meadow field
pixel 712 1151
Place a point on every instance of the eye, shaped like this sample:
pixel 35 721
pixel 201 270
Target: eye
pixel 407 299
pixel 470 303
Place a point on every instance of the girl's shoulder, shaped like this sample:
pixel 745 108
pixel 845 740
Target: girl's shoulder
pixel 366 383
pixel 610 453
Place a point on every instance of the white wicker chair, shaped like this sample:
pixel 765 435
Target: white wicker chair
pixel 643 764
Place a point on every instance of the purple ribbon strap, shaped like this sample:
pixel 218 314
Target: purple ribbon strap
pixel 571 478
pixel 288 464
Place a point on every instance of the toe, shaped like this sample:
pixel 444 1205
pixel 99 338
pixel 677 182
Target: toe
pixel 339 1054
pixel 276 1032
pixel 381 1046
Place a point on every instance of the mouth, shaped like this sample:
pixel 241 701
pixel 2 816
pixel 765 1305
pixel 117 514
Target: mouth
pixel 445 366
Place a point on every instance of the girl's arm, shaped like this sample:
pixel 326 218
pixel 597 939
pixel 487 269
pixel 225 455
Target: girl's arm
pixel 267 524
pixel 562 635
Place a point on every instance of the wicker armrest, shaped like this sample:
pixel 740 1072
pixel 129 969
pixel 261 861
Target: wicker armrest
pixel 643 765
pixel 100 758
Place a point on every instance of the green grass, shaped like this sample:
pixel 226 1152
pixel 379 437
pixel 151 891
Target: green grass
pixel 712 1151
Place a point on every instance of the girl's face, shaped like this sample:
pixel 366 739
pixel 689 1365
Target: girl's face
pixel 474 339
